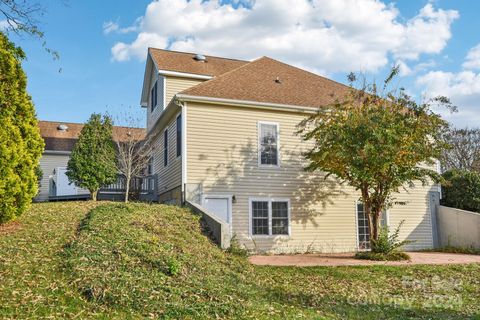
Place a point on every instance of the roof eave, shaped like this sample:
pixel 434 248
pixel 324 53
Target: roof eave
pixel 247 103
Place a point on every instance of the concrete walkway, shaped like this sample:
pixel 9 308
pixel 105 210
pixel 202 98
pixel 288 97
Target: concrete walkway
pixel 346 259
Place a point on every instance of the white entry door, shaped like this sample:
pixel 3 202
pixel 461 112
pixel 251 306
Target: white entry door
pixel 64 186
pixel 219 206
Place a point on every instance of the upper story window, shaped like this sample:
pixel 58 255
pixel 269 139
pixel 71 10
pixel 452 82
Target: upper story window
pixel 165 148
pixel 179 135
pixel 154 96
pixel 268 144
pixel 157 95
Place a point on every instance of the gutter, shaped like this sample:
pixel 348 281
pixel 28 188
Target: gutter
pixel 184 75
pixel 247 103
pixel 57 152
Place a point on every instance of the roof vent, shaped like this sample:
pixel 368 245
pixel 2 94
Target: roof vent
pixel 200 57
pixel 62 127
pixel 277 80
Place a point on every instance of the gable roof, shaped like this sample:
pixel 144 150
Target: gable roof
pixel 64 140
pixel 184 62
pixel 267 80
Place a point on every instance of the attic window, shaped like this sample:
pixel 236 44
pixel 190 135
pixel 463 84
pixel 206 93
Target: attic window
pixel 62 127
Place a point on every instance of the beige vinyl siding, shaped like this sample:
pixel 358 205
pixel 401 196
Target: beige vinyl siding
pixel 175 85
pixel 169 177
pixel 152 116
pixel 222 158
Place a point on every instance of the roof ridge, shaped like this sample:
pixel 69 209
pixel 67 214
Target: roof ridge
pixel 207 55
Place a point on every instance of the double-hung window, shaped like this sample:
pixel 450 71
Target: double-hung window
pixel 154 96
pixel 268 144
pixel 270 217
pixel 179 135
pixel 165 148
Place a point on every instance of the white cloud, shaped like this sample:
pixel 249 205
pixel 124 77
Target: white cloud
pixel 472 60
pixel 110 26
pixel 463 88
pixel 325 36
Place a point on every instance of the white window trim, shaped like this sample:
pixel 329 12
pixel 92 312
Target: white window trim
pixel 259 148
pixel 164 102
pixel 269 200
pixel 176 131
pixel 165 150
pixel 387 218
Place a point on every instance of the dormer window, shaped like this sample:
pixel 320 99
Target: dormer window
pixel 154 96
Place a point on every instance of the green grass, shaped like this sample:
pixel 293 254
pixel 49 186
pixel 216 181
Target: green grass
pixel 80 260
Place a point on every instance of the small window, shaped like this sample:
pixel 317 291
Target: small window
pixel 150 166
pixel 268 144
pixel 363 229
pixel 165 148
pixel 269 217
pixel 154 96
pixel 179 135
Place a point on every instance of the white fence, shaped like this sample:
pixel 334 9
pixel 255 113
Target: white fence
pixel 458 228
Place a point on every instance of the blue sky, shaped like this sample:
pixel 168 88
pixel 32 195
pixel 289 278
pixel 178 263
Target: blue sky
pixel 102 46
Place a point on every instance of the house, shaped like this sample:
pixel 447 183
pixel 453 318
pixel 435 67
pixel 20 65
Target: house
pixel 60 138
pixel 225 139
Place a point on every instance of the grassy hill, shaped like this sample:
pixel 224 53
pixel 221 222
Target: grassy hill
pixel 86 260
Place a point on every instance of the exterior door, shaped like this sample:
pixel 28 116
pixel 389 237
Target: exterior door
pixel 64 186
pixel 218 205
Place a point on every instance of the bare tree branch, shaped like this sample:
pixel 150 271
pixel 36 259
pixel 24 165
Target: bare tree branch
pixel 464 151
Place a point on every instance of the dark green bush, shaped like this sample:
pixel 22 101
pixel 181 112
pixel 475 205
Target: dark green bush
pixel 461 190
pixel 392 256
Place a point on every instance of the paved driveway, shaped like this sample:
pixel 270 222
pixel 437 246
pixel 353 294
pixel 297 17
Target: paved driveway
pixel 346 259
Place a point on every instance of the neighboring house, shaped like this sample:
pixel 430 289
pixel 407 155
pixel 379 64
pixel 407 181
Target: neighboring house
pixel 225 138
pixel 60 137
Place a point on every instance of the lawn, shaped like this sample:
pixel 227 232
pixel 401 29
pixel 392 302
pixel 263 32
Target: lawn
pixel 86 260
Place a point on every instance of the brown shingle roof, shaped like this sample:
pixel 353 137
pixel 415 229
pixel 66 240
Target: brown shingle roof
pixel 59 140
pixel 185 62
pixel 257 81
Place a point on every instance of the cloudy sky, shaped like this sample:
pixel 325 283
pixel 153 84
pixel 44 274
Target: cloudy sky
pixel 103 46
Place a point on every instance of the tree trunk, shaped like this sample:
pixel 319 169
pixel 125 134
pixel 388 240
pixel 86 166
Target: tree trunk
pixel 375 222
pixel 127 189
pixel 94 195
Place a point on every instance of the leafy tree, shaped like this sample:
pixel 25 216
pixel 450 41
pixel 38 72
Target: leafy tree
pixel 464 151
pixel 92 163
pixel 376 140
pixel 21 145
pixel 461 190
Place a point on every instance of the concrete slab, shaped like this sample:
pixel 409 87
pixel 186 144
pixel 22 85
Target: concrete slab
pixel 347 259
